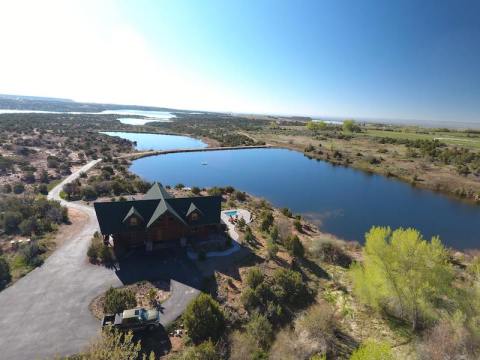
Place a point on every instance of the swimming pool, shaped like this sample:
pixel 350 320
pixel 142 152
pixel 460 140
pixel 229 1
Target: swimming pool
pixel 231 213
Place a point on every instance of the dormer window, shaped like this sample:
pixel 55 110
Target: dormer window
pixel 133 221
pixel 194 216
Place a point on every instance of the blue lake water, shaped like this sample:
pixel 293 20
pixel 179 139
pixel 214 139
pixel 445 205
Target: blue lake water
pixel 159 141
pixel 343 201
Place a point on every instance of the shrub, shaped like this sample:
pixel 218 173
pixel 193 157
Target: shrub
pixel 240 196
pixel 117 300
pixel 203 319
pixel 195 190
pixel 254 277
pixel 114 344
pixel 204 351
pixel 43 189
pixel 5 276
pixel 372 350
pixel 18 188
pixel 272 249
pixel 30 255
pixel 98 252
pixel 297 225
pixel 179 186
pixel 317 326
pixel 260 330
pixel 241 224
pixel 330 252
pixel 289 287
pixel 286 211
pixel 295 246
pixel 215 191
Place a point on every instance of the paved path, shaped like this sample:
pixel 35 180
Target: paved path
pixel 46 313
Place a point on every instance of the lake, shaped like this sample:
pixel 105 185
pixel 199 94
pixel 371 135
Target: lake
pixel 159 141
pixel 343 201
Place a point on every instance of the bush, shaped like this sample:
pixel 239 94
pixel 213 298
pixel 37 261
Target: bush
pixel 372 350
pixel 204 351
pixel 286 211
pixel 240 196
pixel 195 190
pixel 330 252
pixel 118 300
pixel 98 252
pixel 289 287
pixel 318 326
pixel 297 225
pixel 203 319
pixel 272 249
pixel 295 246
pixel 18 188
pixel 30 255
pixel 114 344
pixel 5 276
pixel 254 277
pixel 260 331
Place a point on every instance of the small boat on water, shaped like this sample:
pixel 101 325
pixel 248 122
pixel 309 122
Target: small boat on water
pixel 204 163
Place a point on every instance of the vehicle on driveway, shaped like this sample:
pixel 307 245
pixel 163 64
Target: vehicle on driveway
pixel 133 319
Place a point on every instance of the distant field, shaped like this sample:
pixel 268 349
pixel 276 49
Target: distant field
pixel 452 137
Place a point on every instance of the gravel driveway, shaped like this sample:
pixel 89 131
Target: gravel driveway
pixel 46 313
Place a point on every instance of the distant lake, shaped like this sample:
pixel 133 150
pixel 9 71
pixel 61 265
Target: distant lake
pixel 343 201
pixel 159 141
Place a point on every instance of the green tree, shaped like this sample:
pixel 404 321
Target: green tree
pixel 372 350
pixel 117 300
pixel 350 126
pixel 402 270
pixel 203 319
pixel 5 276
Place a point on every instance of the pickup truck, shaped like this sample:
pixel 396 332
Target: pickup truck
pixel 133 319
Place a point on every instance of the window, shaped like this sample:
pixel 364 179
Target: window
pixel 194 216
pixel 133 221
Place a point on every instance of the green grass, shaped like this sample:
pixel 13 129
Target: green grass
pixel 53 183
pixel 451 138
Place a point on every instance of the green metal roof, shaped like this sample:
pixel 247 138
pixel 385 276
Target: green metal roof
pixel 157 191
pixel 131 212
pixel 193 208
pixel 111 216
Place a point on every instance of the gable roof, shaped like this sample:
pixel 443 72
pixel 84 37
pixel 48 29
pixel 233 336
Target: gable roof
pixel 193 208
pixel 163 207
pixel 132 212
pixel 157 201
pixel 157 191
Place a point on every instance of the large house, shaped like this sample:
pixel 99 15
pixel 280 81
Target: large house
pixel 159 219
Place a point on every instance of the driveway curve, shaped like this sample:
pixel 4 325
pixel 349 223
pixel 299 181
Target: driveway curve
pixel 45 314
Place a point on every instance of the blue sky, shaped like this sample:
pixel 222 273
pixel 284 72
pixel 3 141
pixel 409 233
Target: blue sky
pixel 371 59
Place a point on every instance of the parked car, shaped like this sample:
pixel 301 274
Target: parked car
pixel 133 319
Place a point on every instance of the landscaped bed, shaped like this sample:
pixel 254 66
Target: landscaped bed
pixel 142 291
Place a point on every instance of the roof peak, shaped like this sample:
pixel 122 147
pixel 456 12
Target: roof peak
pixel 157 191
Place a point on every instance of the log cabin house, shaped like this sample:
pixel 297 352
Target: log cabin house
pixel 158 220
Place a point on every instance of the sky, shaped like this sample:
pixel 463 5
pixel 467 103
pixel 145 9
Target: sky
pixel 397 59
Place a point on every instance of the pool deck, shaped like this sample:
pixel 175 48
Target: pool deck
pixel 246 215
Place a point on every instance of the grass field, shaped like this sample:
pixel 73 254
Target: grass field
pixel 451 138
